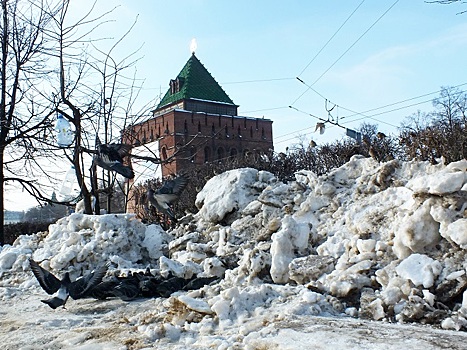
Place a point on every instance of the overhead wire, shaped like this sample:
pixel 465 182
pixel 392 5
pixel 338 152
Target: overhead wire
pixel 330 39
pixel 234 82
pixel 257 81
pixel 266 109
pixel 355 42
pixel 364 116
pixel 310 87
pixel 385 112
pixel 399 102
pixel 343 54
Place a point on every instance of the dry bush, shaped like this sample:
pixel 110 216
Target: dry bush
pixel 440 133
pixel 12 231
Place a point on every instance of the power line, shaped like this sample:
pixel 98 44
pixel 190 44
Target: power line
pixel 399 102
pixel 370 110
pixel 293 132
pixel 345 52
pixel 357 113
pixel 255 81
pixel 355 42
pixel 374 109
pixel 355 120
pixel 265 109
pixel 311 115
pixel 309 87
pixel 233 82
pixel 332 37
pixel 385 112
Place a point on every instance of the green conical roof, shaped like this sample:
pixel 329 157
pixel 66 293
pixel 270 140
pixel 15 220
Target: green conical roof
pixel 195 82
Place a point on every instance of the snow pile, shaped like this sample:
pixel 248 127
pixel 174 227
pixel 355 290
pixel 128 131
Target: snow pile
pixel 379 241
pixel 230 191
pixel 78 243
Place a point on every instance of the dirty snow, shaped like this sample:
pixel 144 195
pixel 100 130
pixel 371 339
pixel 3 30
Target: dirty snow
pixel 369 256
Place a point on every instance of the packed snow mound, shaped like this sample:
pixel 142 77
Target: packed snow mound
pixel 230 191
pixel 78 243
pixel 383 241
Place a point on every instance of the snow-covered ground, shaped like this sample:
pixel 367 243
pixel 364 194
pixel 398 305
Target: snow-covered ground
pixel 369 256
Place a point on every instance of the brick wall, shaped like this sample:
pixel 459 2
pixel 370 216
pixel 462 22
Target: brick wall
pixel 199 137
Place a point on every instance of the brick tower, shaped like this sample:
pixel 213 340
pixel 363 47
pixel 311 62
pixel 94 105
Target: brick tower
pixel 195 122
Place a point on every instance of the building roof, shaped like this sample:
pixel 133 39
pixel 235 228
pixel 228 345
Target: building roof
pixel 194 82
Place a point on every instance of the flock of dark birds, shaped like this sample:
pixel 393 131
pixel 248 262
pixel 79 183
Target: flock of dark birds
pixel 95 285
pixel 135 284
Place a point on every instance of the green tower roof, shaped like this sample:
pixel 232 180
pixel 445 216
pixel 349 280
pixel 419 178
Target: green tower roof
pixel 194 82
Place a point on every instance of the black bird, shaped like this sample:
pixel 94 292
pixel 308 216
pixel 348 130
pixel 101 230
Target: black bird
pixel 80 288
pixel 148 286
pixel 171 285
pixel 104 290
pixel 127 290
pixel 199 282
pixel 110 157
pixel 167 195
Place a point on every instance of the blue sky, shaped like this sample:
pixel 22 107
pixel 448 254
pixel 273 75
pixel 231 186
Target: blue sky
pixel 388 51
pixel 256 49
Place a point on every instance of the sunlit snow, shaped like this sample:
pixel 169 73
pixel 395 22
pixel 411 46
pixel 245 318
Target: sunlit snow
pixel 357 258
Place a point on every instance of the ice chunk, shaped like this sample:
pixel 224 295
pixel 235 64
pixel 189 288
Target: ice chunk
pixel 420 269
pixel 292 236
pixel 417 232
pixel 230 191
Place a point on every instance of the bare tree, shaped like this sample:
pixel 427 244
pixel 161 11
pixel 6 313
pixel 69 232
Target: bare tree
pixel 94 95
pixel 24 116
pixel 439 133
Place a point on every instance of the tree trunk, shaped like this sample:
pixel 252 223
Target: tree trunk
pixel 3 115
pixel 77 164
pixel 94 189
pixel 2 201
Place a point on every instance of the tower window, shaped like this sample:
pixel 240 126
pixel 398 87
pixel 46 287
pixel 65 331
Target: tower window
pixel 193 154
pixel 164 153
pixel 220 153
pixel 176 85
pixel 207 154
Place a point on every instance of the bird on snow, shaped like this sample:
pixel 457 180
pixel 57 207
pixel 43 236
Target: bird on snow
pixel 167 195
pixel 321 127
pixel 65 288
pixel 127 289
pixel 380 135
pixel 110 157
pixel 373 154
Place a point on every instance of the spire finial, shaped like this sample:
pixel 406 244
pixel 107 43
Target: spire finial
pixel 193 46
